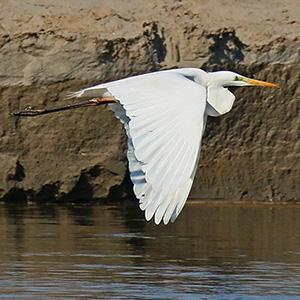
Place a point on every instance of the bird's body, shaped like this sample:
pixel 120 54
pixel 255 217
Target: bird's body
pixel 164 114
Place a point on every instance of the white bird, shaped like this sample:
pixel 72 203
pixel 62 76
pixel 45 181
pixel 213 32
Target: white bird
pixel 164 114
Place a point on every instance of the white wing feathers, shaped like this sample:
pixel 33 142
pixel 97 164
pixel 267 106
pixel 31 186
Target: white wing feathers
pixel 163 115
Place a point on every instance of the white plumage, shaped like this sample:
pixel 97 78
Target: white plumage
pixel 164 114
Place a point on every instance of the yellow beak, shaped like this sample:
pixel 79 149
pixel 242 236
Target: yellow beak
pixel 258 82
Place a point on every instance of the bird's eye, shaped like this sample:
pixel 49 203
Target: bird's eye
pixel 236 78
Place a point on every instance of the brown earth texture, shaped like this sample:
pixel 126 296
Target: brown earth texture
pixel 51 48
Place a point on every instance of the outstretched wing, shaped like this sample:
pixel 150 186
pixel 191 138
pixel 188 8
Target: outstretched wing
pixel 163 114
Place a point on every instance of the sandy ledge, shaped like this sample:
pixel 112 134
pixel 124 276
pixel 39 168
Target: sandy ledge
pixel 48 50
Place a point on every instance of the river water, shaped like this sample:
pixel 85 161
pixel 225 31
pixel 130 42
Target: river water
pixel 216 251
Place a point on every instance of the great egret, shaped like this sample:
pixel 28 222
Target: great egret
pixel 164 114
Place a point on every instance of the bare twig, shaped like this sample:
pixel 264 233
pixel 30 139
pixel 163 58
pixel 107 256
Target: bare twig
pixel 31 112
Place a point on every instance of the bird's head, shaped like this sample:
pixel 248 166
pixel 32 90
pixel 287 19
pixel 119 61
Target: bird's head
pixel 228 78
pixel 220 90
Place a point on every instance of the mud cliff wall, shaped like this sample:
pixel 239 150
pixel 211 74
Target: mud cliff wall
pixel 48 51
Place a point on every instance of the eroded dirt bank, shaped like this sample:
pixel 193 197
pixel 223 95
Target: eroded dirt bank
pixel 49 50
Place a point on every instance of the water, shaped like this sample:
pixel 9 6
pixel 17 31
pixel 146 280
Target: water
pixel 110 252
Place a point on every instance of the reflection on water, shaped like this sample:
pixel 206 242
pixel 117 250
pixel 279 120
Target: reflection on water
pixel 110 252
